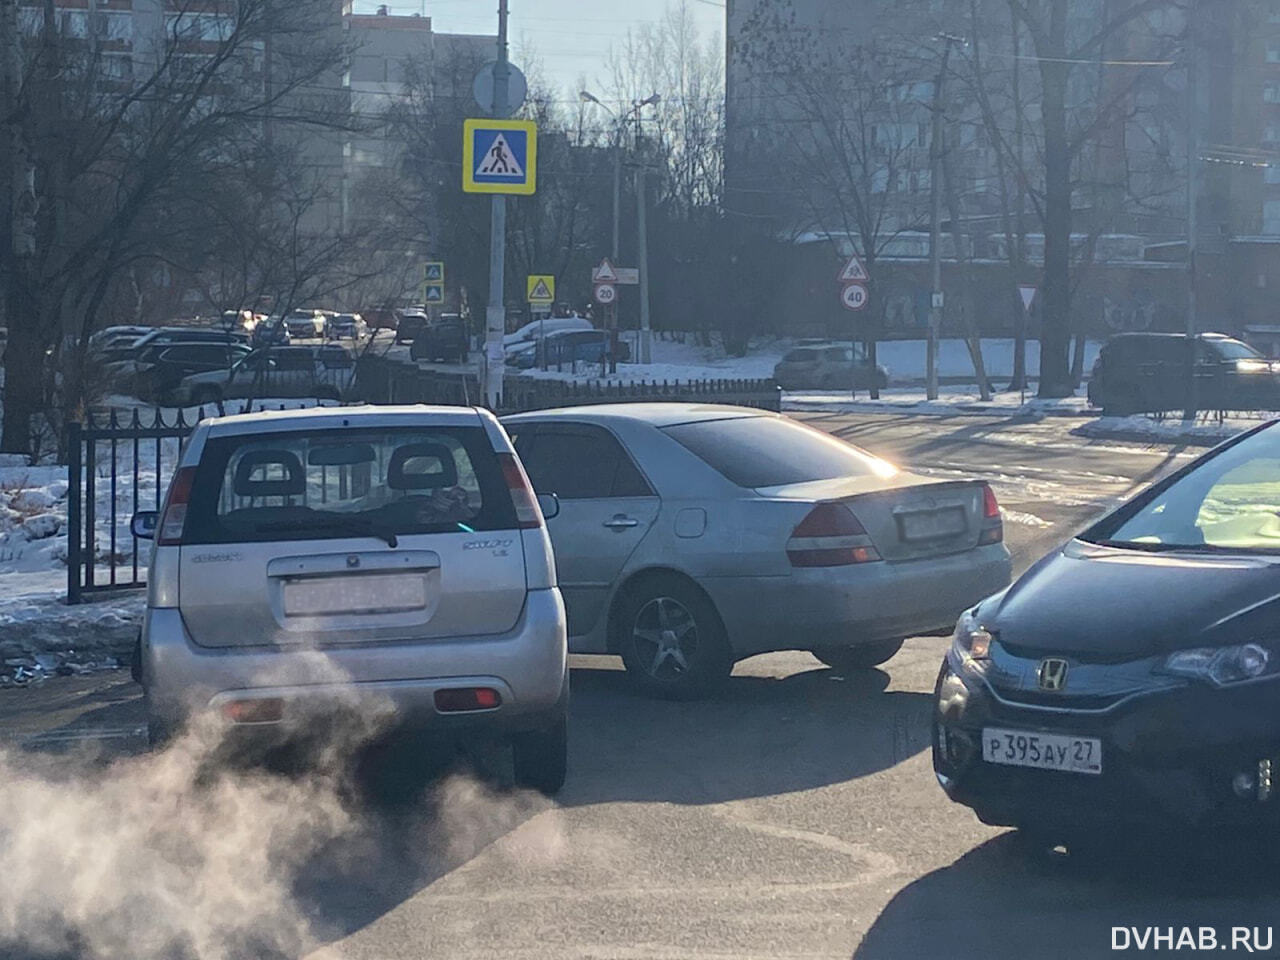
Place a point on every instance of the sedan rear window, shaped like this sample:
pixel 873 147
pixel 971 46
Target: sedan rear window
pixel 773 451
pixel 342 483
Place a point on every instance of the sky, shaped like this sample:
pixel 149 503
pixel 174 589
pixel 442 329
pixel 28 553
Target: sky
pixel 570 38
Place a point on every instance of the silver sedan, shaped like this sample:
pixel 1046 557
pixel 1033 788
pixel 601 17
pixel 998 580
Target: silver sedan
pixel 690 536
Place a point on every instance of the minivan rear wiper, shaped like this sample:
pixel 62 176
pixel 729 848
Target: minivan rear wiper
pixel 353 524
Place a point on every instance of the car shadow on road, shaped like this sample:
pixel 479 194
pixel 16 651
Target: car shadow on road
pixel 1001 901
pixel 817 727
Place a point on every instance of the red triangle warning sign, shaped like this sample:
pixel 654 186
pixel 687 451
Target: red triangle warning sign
pixel 853 272
pixel 605 273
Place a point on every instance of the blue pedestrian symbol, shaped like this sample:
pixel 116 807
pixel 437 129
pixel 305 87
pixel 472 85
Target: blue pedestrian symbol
pixel 499 156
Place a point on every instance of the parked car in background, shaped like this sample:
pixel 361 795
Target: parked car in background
pixel 346 326
pixel 411 323
pixel 245 320
pixel 1127 680
pixel 402 543
pixel 542 328
pixel 163 368
pixel 271 332
pixel 564 348
pixel 115 336
pixel 325 372
pixel 1147 372
pixel 305 324
pixel 828 366
pixel 690 536
pixel 381 318
pixel 444 338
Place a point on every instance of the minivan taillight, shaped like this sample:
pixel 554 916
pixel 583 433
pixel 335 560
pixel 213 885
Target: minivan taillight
pixel 174 520
pixel 830 536
pixel 528 515
pixel 993 523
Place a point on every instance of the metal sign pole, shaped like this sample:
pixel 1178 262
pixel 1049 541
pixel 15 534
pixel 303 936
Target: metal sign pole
pixel 495 313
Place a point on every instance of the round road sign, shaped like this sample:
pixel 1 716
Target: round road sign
pixel 854 296
pixel 606 293
pixel 517 88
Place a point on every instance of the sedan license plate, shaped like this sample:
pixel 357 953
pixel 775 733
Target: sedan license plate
pixel 1046 751
pixel 932 524
pixel 368 593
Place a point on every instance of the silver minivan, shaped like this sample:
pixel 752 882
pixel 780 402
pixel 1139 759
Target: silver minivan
pixel 389 556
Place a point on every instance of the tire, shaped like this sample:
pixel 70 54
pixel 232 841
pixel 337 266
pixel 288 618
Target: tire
pixel 328 393
pixel 671 639
pixel 540 758
pixel 1125 402
pixel 862 657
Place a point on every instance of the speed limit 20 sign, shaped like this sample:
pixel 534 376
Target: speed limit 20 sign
pixel 854 296
pixel 606 293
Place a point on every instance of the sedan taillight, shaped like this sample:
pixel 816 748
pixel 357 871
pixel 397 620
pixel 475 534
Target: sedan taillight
pixel 992 524
pixel 830 536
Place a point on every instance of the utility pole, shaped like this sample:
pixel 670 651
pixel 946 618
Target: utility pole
pixel 496 312
pixel 643 243
pixel 935 229
pixel 1193 159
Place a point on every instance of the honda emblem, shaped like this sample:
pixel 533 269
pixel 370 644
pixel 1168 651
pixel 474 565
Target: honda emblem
pixel 1052 674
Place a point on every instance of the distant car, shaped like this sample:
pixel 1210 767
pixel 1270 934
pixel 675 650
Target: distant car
pixel 692 535
pixel 346 326
pixel 114 336
pixel 410 324
pixel 305 324
pixel 442 339
pixel 828 366
pixel 1127 680
pixel 271 331
pixel 1147 372
pixel 154 371
pixel 325 372
pixel 310 566
pixel 381 318
pixel 541 328
pixel 245 320
pixel 566 347
pixel 129 350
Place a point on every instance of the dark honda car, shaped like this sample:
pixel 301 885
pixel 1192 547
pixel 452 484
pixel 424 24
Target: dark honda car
pixel 1131 677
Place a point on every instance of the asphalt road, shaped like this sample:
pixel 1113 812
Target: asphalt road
pixel 796 815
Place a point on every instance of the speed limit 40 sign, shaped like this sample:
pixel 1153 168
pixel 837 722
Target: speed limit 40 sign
pixel 606 293
pixel 854 296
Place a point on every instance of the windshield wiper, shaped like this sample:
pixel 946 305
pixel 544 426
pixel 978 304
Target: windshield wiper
pixel 1148 546
pixel 354 524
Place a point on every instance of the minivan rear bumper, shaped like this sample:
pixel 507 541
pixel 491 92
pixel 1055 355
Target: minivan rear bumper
pixel 527 666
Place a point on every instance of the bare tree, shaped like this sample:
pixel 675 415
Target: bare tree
pixel 117 144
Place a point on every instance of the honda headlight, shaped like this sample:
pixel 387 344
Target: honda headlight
pixel 971 642
pixel 1219 665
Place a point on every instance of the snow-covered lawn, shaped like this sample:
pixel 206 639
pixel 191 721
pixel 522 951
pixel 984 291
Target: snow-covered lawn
pixel 952 401
pixel 1205 432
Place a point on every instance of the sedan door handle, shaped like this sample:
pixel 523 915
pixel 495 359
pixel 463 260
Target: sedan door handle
pixel 621 522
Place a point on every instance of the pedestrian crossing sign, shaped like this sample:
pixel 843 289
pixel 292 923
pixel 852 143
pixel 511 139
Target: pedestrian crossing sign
pixel 540 288
pixel 433 293
pixel 499 156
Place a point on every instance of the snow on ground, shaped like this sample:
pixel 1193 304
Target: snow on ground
pixel 905 360
pixel 952 401
pixel 1205 432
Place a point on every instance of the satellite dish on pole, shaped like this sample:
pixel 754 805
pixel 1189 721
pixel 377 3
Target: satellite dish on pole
pixel 517 88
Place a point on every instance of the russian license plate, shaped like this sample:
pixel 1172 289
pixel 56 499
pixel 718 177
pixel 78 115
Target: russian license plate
pixel 367 593
pixel 1047 751
pixel 932 524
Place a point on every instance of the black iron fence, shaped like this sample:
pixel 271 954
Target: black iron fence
pixel 121 462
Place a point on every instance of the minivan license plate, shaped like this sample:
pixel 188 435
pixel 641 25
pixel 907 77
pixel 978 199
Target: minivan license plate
pixel 1047 751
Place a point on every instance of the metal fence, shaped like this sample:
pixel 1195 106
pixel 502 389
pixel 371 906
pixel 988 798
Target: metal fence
pixel 118 464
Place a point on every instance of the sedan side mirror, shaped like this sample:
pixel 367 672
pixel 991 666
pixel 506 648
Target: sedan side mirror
pixel 549 504
pixel 143 525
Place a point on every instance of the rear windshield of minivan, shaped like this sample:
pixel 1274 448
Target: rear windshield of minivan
pixel 773 451
pixel 344 483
